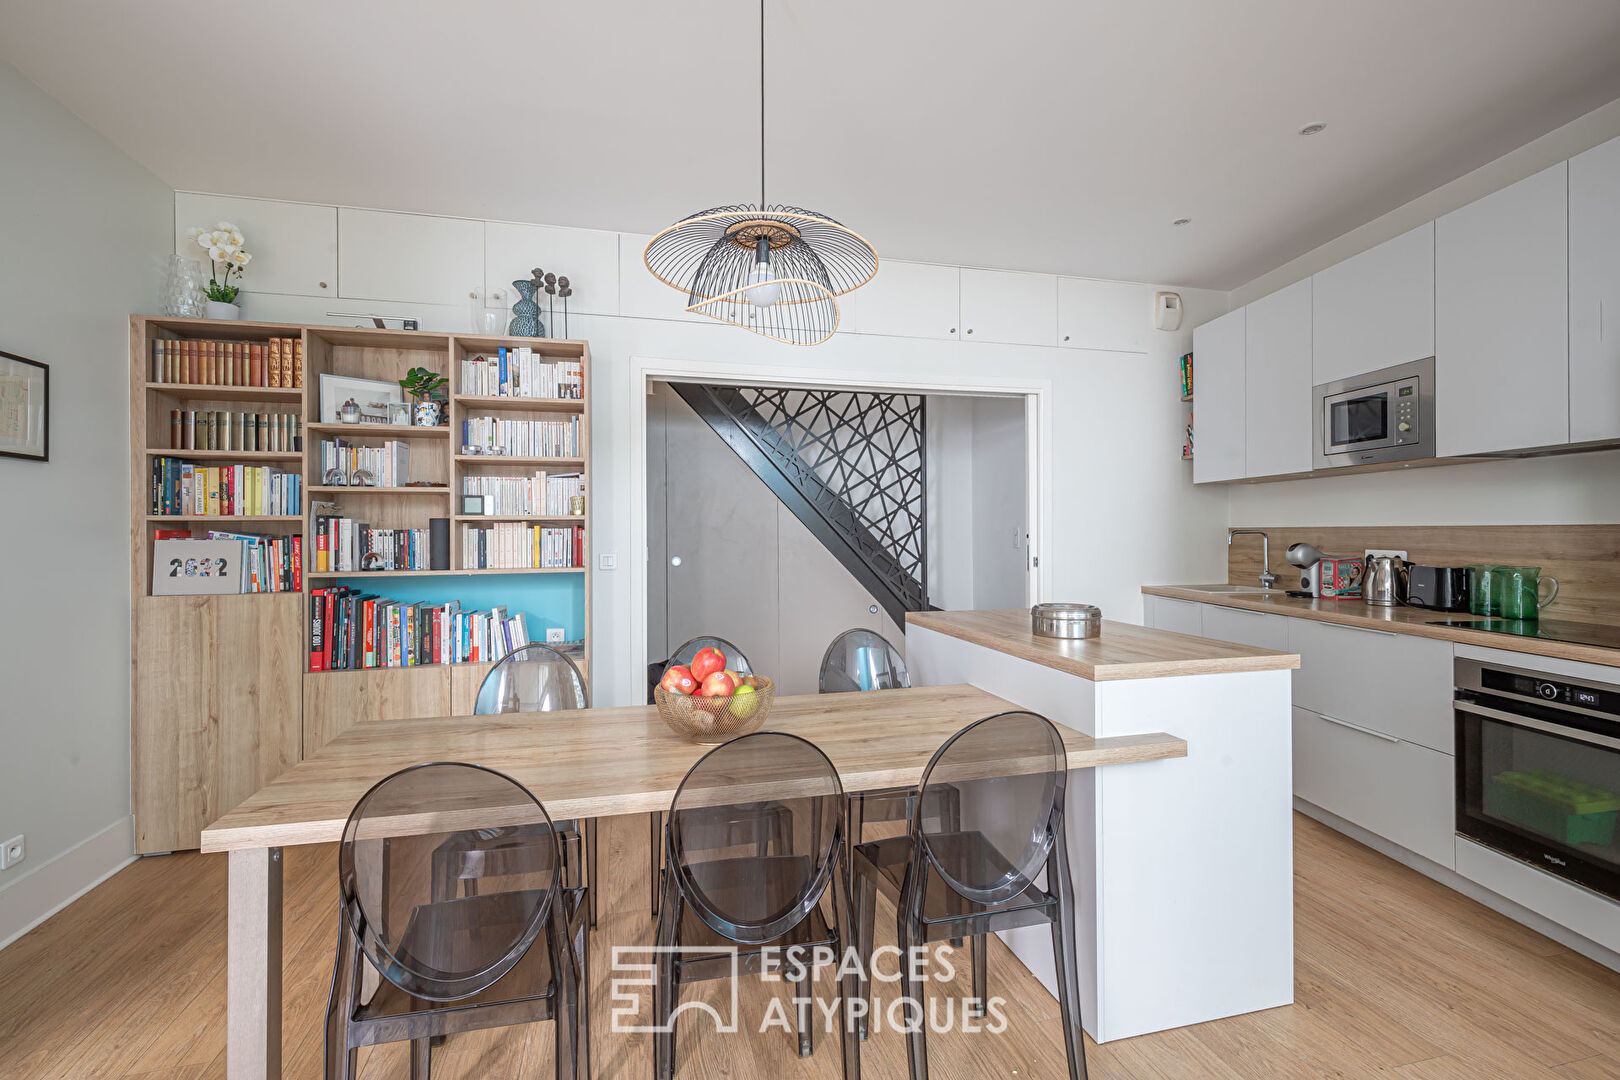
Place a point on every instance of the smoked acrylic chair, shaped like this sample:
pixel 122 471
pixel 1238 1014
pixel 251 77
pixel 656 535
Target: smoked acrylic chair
pixel 435 939
pixel 754 841
pixel 987 823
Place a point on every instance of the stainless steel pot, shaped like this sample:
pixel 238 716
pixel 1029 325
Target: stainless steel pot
pixel 1065 620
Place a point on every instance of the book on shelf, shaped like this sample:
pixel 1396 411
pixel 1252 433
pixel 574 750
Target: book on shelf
pixel 1187 376
pixel 496 437
pixel 541 494
pixel 278 362
pixel 342 544
pixel 519 371
pixel 388 465
pixel 512 545
pixel 185 488
pixel 351 630
pixel 222 429
pixel 225 562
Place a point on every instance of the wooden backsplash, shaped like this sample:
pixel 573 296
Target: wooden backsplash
pixel 1584 558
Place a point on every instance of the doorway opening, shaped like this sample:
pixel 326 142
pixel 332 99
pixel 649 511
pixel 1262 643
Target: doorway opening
pixel 779 517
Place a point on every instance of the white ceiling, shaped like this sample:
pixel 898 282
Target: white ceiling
pixel 1058 135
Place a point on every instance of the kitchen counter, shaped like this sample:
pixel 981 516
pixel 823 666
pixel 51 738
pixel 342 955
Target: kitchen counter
pixel 1120 651
pixel 1399 620
pixel 1151 842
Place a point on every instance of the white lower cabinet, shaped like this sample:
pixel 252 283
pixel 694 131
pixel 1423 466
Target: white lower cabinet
pixel 1176 616
pixel 1396 684
pixel 1246 627
pixel 1396 789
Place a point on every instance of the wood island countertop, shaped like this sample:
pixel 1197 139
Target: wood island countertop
pixel 1397 620
pixel 1120 651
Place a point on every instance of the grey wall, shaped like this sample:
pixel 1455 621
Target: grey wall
pixel 1000 575
pixel 85 231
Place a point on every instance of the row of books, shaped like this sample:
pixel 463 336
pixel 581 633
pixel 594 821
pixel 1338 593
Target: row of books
pixel 521 372
pixel 1187 376
pixel 218 429
pixel 181 487
pixel 520 438
pixel 511 545
pixel 277 362
pixel 350 629
pixel 551 495
pixel 225 562
pixel 388 465
pixel 343 544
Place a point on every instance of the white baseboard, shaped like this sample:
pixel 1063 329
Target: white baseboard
pixel 1448 877
pixel 53 885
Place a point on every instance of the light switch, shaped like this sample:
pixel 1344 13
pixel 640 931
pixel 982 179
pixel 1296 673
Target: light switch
pixel 607 562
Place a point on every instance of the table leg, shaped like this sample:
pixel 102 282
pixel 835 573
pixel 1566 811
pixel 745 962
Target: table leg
pixel 253 965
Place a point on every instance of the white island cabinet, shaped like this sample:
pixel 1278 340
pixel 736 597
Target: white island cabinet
pixel 1183 870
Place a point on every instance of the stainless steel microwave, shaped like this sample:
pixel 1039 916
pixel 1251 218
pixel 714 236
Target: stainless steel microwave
pixel 1385 415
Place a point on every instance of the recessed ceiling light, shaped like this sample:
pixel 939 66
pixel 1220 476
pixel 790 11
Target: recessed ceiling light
pixel 1182 221
pixel 1313 129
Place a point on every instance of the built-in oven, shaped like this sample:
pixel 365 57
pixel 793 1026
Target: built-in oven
pixel 1385 415
pixel 1538 770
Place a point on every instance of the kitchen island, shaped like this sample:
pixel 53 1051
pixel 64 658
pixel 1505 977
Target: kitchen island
pixel 1183 868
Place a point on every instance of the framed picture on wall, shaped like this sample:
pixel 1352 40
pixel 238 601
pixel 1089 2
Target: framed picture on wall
pixel 25 408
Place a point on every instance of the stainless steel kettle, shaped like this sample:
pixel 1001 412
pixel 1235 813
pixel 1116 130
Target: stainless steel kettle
pixel 1384 580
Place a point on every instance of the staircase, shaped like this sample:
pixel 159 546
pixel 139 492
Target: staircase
pixel 851 466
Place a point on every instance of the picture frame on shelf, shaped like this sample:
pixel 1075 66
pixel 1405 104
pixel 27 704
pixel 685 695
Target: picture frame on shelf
pixel 399 414
pixel 25 408
pixel 374 397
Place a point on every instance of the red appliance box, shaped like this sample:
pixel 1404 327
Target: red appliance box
pixel 1341 577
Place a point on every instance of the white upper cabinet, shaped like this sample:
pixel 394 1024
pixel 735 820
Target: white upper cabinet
pixel 909 300
pixel 1109 315
pixel 1594 294
pixel 1220 447
pixel 294 245
pixel 1375 309
pixel 1501 307
pixel 409 258
pixel 588 258
pixel 1009 307
pixel 1278 383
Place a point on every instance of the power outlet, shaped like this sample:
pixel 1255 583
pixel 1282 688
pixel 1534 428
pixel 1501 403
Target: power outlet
pixel 14 852
pixel 1386 551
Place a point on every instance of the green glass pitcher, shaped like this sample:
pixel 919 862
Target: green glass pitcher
pixel 1516 591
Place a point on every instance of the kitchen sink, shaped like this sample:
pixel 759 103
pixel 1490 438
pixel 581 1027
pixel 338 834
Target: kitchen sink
pixel 1230 589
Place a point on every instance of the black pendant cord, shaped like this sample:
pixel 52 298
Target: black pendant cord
pixel 762 104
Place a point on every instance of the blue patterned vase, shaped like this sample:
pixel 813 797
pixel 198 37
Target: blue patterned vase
pixel 526 313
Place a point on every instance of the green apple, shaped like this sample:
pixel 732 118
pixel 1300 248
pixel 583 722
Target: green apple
pixel 744 702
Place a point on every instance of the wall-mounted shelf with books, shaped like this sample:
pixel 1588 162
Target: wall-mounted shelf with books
pixel 195 654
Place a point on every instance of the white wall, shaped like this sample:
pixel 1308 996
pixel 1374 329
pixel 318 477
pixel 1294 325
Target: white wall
pixel 1571 489
pixel 85 231
pixel 950 502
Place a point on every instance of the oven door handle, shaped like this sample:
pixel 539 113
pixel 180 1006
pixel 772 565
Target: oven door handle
pixel 1538 725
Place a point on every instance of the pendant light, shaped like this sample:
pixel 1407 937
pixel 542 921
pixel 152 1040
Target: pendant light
pixel 775 270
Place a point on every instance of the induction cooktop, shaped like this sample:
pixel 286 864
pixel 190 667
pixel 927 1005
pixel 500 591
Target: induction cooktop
pixel 1575 633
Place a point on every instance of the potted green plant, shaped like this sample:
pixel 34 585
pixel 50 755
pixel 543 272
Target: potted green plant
pixel 226 256
pixel 427 388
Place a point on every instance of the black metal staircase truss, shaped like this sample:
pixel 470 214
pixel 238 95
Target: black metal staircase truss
pixel 852 466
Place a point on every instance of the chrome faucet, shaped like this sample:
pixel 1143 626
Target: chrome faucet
pixel 1267 578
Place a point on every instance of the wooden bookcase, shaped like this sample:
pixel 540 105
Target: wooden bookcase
pixel 222 698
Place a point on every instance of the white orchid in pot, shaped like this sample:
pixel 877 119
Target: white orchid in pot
pixel 226 256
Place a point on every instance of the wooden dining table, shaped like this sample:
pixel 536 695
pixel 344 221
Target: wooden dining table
pixel 589 763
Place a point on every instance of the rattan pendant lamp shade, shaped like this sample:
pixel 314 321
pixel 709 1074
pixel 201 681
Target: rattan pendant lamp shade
pixel 774 270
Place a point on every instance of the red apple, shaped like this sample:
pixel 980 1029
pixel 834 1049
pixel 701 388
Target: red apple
pixel 679 680
pixel 718 684
pixel 707 661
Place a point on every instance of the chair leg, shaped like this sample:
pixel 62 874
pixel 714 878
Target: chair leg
pixel 1063 942
pixel 803 989
pixel 341 1062
pixel 849 1042
pixel 866 894
pixel 666 991
pixel 590 868
pixel 655 836
pixel 981 973
pixel 421 1059
pixel 582 1041
pixel 909 933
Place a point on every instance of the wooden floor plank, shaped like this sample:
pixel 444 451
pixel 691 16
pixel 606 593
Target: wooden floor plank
pixel 1396 977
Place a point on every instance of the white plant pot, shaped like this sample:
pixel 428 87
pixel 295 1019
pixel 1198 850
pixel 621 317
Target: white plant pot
pixel 217 310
